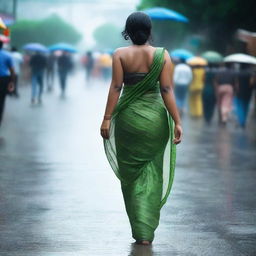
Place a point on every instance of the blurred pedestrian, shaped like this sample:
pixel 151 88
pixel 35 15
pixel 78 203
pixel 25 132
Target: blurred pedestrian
pixel 195 91
pixel 244 93
pixel 88 62
pixel 50 71
pixel 105 62
pixel 225 85
pixel 38 65
pixel 65 65
pixel 209 98
pixel 182 78
pixel 17 61
pixel 7 77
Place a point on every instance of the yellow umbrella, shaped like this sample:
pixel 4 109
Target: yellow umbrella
pixel 2 25
pixel 197 61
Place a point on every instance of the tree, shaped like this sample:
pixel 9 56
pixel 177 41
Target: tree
pixel 108 36
pixel 216 20
pixel 47 31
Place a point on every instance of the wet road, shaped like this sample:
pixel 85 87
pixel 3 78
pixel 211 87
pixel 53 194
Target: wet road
pixel 59 197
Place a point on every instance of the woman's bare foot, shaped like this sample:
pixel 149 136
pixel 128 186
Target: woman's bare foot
pixel 143 242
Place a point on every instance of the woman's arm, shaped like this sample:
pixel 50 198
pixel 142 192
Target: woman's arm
pixel 114 93
pixel 166 86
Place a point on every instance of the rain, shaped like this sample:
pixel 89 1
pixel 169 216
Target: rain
pixel 58 192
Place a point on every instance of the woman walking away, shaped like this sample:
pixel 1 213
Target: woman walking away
pixel 138 130
pixel 209 98
pixel 225 83
pixel 244 93
pixel 195 91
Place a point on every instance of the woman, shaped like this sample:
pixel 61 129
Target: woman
pixel 195 91
pixel 209 98
pixel 225 83
pixel 137 131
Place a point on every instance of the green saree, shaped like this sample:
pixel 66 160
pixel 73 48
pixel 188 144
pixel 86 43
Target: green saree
pixel 141 152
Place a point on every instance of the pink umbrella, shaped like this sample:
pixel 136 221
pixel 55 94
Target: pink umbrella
pixel 4 39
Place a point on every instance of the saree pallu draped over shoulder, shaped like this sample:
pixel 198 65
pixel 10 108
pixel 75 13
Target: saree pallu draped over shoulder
pixel 141 152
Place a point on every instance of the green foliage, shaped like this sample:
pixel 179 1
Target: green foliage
pixel 47 31
pixel 108 36
pixel 215 20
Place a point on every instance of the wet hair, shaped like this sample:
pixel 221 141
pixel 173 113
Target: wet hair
pixel 137 28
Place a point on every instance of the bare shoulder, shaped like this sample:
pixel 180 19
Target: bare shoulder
pixel 120 51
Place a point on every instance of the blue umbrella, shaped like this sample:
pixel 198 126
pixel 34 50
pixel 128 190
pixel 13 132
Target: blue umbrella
pixel 36 47
pixel 63 47
pixel 159 13
pixel 181 54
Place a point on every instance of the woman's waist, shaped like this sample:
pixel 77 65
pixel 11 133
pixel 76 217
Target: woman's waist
pixel 153 90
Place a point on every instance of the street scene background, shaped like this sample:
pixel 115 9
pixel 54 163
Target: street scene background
pixel 58 194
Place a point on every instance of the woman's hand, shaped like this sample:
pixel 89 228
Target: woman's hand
pixel 177 133
pixel 104 129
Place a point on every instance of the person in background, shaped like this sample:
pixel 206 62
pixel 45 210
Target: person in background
pixel 38 65
pixel 225 85
pixel 65 65
pixel 105 64
pixel 50 71
pixel 195 91
pixel 88 64
pixel 209 98
pixel 182 79
pixel 17 61
pixel 246 80
pixel 7 77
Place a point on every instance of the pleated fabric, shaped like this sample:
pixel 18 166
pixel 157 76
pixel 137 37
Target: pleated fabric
pixel 141 152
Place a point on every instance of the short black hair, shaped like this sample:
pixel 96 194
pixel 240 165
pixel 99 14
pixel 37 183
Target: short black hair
pixel 138 28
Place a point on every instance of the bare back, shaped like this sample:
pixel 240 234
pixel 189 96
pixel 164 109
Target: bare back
pixel 137 59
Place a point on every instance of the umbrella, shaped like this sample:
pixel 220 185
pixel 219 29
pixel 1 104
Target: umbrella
pixel 2 25
pixel 181 54
pixel 36 47
pixel 197 61
pixel 4 39
pixel 159 13
pixel 241 58
pixel 63 47
pixel 212 57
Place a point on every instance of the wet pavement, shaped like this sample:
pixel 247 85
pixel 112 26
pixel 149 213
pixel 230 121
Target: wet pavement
pixel 59 197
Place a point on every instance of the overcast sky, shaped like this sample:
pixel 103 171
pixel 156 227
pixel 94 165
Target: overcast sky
pixel 85 15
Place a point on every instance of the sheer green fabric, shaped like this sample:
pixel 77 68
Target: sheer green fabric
pixel 141 152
